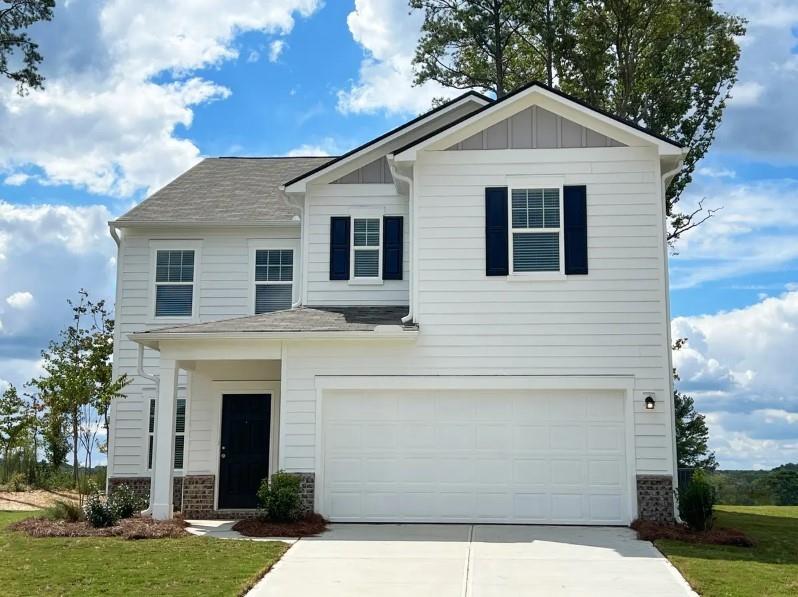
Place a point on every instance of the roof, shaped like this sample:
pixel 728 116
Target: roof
pixel 303 319
pixel 225 190
pixel 400 128
pixel 557 92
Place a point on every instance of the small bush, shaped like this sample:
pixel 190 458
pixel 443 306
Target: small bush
pixel 697 502
pixel 99 513
pixel 18 482
pixel 63 510
pixel 125 503
pixel 280 497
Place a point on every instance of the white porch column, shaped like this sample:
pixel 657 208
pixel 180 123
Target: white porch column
pixel 161 484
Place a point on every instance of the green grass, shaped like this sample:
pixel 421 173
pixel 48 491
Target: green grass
pixel 769 568
pixel 111 566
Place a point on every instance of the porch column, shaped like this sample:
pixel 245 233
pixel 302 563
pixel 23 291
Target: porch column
pixel 161 485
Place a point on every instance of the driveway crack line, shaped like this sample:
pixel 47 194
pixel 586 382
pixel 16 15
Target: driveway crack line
pixel 467 578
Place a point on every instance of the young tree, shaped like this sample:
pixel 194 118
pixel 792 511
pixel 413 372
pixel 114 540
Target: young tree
pixel 692 435
pixel 19 54
pixel 14 422
pixel 668 65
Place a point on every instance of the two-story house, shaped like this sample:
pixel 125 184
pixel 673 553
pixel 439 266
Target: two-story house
pixel 463 320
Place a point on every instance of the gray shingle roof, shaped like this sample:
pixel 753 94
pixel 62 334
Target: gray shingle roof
pixel 303 319
pixel 226 190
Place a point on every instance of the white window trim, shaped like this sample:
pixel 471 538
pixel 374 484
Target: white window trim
pixel 174 245
pixel 272 245
pixel 354 280
pixel 524 184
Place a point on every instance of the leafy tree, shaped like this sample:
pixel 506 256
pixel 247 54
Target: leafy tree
pixel 668 65
pixel 783 482
pixel 15 418
pixel 692 435
pixel 19 54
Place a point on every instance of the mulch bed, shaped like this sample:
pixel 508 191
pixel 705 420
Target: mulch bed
pixel 312 524
pixel 651 531
pixel 128 528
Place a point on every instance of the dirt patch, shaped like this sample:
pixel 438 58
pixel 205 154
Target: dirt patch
pixel 306 527
pixel 37 499
pixel 651 531
pixel 128 528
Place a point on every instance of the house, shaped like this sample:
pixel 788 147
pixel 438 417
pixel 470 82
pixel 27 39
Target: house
pixel 463 320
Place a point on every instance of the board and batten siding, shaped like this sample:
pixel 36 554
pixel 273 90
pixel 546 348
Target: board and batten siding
pixel 355 200
pixel 610 322
pixel 225 287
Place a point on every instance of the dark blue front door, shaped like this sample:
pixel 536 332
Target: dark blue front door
pixel 244 454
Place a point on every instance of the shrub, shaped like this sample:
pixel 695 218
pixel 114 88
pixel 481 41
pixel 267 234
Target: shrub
pixel 697 501
pixel 18 482
pixel 280 497
pixel 124 502
pixel 63 510
pixel 99 513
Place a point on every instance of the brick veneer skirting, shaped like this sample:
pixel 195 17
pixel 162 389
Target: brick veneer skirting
pixel 655 498
pixel 307 487
pixel 141 488
pixel 198 493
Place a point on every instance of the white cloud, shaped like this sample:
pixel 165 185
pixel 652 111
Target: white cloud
pixel 716 172
pixel 327 146
pixel 51 252
pixel 20 300
pixel 739 365
pixel 4 385
pixel 17 179
pixel 388 36
pixel 746 94
pixel 276 49
pixel 115 122
pixel 253 56
pixel 753 233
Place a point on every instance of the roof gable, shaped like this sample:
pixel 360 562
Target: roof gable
pixel 548 99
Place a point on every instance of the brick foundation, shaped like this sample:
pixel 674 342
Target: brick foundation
pixel 655 498
pixel 307 487
pixel 141 488
pixel 198 496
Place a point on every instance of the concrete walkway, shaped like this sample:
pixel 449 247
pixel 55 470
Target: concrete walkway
pixel 472 561
pixel 223 529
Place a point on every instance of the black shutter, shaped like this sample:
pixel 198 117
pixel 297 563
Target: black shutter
pixel 339 248
pixel 496 239
pixel 575 220
pixel 392 237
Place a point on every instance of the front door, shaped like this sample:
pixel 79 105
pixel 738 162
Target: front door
pixel 244 453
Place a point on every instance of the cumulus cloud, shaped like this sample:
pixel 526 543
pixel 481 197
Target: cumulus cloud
pixel 119 83
pixel 327 146
pixel 276 49
pixel 388 36
pixel 16 179
pixel 739 365
pixel 20 300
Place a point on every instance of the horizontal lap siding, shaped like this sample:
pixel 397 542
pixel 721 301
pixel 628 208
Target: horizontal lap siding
pixel 225 284
pixel 612 321
pixel 325 201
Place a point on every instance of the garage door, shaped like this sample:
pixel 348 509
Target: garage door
pixel 452 456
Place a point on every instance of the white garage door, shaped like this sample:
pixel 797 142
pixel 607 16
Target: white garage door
pixel 454 456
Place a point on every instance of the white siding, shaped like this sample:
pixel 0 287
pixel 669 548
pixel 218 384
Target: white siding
pixel 325 201
pixel 224 287
pixel 610 322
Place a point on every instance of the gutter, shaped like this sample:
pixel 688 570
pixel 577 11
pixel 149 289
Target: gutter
pixel 410 317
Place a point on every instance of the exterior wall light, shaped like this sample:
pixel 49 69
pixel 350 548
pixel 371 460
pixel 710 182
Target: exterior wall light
pixel 650 402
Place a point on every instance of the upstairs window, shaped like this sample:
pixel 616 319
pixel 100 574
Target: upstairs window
pixel 174 283
pixel 366 248
pixel 274 277
pixel 536 235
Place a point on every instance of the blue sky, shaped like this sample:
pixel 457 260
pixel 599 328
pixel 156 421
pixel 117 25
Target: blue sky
pixel 138 91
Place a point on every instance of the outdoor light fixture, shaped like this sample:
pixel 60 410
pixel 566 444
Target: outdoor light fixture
pixel 650 402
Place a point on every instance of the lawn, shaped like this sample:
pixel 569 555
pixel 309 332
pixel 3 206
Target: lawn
pixel 769 568
pixel 110 566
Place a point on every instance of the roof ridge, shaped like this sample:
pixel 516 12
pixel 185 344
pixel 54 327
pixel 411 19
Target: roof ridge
pixel 269 157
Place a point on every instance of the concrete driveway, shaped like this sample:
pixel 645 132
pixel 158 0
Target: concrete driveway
pixel 472 560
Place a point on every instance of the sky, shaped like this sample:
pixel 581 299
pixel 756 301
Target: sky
pixel 137 91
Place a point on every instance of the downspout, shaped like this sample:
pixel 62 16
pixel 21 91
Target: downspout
pixel 667 178
pixel 301 209
pixel 411 229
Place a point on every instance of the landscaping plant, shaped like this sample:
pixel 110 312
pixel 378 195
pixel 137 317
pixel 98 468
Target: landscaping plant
pixel 99 512
pixel 697 501
pixel 64 510
pixel 280 497
pixel 124 503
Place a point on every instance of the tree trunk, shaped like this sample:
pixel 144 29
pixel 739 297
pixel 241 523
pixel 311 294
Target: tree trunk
pixel 75 445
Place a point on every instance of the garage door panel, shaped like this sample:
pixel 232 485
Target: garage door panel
pixel 533 457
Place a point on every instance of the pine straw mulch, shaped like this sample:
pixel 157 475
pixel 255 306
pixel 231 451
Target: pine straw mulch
pixel 313 524
pixel 128 528
pixel 651 531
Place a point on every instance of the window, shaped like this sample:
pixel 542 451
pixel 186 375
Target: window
pixel 536 230
pixel 180 433
pixel 174 283
pixel 366 248
pixel 274 275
